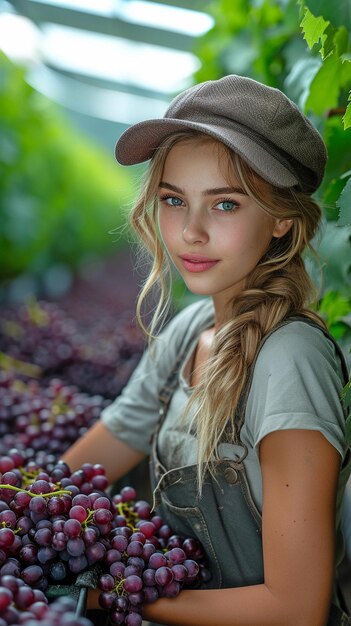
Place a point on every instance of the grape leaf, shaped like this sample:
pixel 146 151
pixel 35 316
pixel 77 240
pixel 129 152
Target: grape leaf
pixel 344 204
pixel 321 98
pixel 347 117
pixel 338 12
pixel 334 253
pixel 341 40
pixel 313 28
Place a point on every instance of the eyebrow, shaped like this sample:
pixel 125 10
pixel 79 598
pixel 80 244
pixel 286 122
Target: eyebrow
pixel 208 192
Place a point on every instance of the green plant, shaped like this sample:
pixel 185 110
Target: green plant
pixel 59 195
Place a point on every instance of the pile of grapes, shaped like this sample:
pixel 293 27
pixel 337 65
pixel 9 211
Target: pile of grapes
pixel 56 524
pixel 55 379
pixel 39 339
pixel 42 421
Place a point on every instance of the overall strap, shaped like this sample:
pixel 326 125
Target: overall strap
pixel 240 411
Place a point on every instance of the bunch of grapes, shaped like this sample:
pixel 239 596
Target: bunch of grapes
pixel 22 605
pixel 145 561
pixel 41 421
pixel 57 524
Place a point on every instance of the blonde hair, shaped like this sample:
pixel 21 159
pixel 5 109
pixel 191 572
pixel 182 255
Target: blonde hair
pixel 277 288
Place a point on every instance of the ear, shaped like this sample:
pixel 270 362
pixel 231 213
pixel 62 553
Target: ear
pixel 281 228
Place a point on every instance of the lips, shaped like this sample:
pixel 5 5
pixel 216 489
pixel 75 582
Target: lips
pixel 197 262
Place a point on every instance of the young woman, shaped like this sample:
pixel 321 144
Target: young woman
pixel 237 400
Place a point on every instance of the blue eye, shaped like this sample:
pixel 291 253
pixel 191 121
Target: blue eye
pixel 172 200
pixel 227 205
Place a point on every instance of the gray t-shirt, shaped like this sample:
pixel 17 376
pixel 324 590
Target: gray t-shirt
pixel 297 382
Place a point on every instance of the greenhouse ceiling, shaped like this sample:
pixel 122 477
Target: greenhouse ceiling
pixel 105 61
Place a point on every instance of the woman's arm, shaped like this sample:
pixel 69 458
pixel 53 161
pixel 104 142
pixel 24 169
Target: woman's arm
pixel 300 472
pixel 98 445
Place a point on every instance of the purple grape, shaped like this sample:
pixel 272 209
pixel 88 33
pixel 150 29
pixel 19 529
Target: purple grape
pixel 179 572
pixel 32 574
pixel 192 567
pixel 102 503
pixel 117 569
pixel 78 512
pixel 176 555
pixel 143 509
pixel 90 535
pixel 121 604
pixel 11 567
pixel 95 553
pixel 8 518
pixel 163 576
pixel 157 560
pixel 55 506
pixel 6 598
pixel 133 583
pixel 133 619
pixel 102 516
pixel 119 542
pixel 150 594
pixel 46 554
pixel 24 597
pixel 75 546
pixel 106 601
pixel 148 550
pixel 172 589
pixel 128 494
pixel 149 577
pixel 40 486
pixel 112 556
pixel 10 582
pixel 135 548
pixel 106 582
pixel 7 537
pixel 39 608
pixel 77 563
pixel 136 599
pixel 72 528
pixel 117 617
pixel 37 505
pixel 28 554
pixel 132 570
pixel 82 500
pixel 43 537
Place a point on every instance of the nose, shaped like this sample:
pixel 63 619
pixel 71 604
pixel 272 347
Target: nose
pixel 194 231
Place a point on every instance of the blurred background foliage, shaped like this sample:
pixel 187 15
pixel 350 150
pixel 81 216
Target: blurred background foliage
pixel 60 196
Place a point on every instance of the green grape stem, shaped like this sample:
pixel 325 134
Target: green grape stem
pixel 89 519
pixel 118 587
pixel 59 492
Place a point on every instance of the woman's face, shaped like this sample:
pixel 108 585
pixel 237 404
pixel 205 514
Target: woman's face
pixel 214 233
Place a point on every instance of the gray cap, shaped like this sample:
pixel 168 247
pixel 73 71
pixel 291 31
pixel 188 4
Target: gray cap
pixel 258 122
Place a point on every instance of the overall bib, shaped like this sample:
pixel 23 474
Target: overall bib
pixel 225 519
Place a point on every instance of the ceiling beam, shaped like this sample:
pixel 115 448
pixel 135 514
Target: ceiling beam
pixel 40 12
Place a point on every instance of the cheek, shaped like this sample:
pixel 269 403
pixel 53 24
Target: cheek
pixel 168 226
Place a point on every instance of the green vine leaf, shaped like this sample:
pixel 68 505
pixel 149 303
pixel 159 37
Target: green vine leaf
pixel 321 99
pixel 344 204
pixel 347 117
pixel 313 28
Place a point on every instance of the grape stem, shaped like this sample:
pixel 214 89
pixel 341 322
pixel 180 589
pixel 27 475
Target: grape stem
pixel 117 588
pixel 60 492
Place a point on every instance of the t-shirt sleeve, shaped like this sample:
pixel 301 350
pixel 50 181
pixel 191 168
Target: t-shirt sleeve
pixel 297 383
pixel 133 416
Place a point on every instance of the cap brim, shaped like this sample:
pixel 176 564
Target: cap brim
pixel 139 142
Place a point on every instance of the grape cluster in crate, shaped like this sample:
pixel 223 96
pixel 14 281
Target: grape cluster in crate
pixel 55 524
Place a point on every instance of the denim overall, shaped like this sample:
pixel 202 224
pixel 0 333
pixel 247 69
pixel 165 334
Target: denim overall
pixel 225 519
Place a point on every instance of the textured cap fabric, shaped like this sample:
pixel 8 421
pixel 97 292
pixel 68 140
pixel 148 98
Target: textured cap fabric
pixel 258 122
